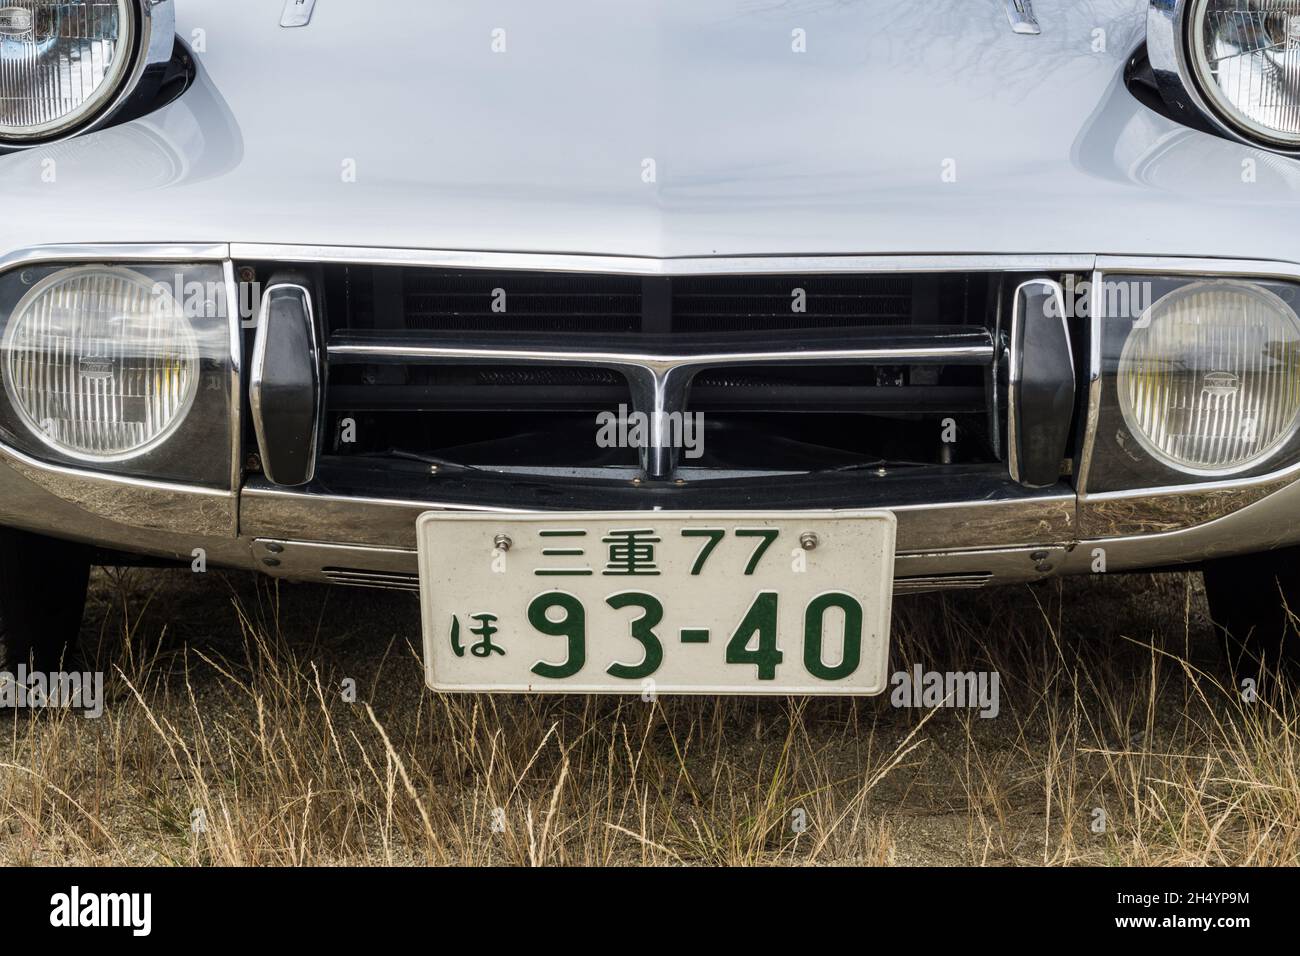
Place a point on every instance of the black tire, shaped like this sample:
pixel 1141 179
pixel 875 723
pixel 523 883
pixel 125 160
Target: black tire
pixel 42 599
pixel 1254 601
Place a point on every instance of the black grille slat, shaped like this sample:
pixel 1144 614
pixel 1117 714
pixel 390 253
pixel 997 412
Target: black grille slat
pixel 768 303
pixel 462 301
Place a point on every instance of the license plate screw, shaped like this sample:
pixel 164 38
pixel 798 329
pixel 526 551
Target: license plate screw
pixel 808 541
pixel 502 542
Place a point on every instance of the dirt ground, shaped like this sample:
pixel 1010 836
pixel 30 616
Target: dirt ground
pixel 232 735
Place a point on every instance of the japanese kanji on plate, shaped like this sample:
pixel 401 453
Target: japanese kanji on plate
pixel 658 602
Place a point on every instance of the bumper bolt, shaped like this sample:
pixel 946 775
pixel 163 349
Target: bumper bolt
pixel 502 543
pixel 808 541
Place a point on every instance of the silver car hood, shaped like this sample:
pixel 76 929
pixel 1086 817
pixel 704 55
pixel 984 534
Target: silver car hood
pixel 905 127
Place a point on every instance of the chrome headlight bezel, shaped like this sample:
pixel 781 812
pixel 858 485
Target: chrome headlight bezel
pixel 1284 428
pixel 1123 293
pixel 1180 72
pixel 198 449
pixel 167 308
pixel 151 43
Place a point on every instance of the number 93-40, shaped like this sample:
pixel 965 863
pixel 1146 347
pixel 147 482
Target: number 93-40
pixel 754 641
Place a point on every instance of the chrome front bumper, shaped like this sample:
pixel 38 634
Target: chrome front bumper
pixel 349 540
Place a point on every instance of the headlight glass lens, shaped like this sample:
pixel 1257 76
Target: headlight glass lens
pixel 60 61
pixel 1209 378
pixel 1247 55
pixel 100 363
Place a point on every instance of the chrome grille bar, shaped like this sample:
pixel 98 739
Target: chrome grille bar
pixel 660 380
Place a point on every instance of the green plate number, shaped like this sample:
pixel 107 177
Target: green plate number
pixel 643 630
pixel 760 619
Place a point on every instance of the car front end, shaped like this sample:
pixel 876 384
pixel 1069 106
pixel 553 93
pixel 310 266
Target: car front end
pixel 358 298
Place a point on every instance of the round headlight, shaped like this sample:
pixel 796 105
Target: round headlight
pixel 1209 378
pixel 1246 57
pixel 100 363
pixel 61 61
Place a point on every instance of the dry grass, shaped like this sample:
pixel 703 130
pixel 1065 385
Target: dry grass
pixel 226 706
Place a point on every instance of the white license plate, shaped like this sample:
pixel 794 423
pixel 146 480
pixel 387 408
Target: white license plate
pixel 657 602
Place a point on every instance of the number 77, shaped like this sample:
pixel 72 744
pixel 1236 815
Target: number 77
pixel 715 535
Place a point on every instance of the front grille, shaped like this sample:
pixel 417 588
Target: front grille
pixel 577 304
pixel 448 370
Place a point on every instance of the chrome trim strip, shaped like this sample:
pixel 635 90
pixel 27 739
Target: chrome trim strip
pixel 957 581
pixel 1013 377
pixel 128 252
pixel 629 265
pixel 408 583
pixel 1094 382
pixel 665 362
pixel 1190 266
pixel 1021 15
pixel 993 380
pixel 236 381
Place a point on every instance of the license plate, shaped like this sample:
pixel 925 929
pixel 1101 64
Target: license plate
pixel 657 602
